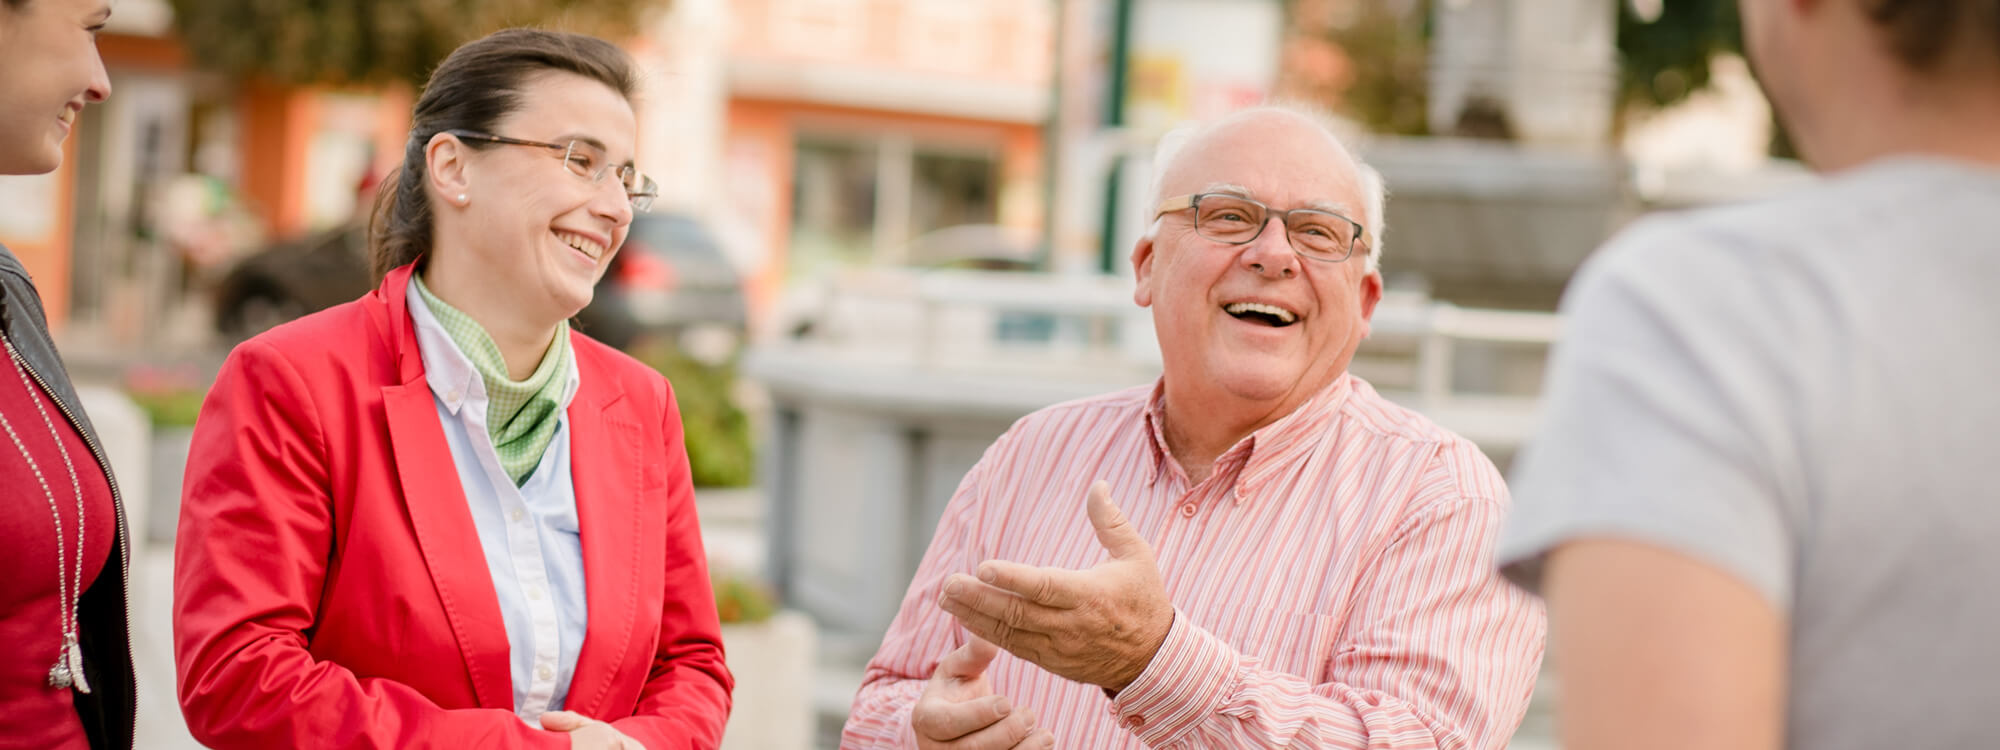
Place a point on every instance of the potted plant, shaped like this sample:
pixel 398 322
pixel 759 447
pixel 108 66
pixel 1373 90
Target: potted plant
pixel 171 397
pixel 771 653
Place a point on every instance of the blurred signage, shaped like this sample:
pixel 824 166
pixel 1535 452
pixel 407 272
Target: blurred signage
pixel 1200 59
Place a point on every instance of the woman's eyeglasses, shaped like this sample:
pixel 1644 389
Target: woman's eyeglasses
pixel 584 159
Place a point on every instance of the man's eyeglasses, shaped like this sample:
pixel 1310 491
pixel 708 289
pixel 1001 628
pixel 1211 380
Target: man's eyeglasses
pixel 1236 220
pixel 585 159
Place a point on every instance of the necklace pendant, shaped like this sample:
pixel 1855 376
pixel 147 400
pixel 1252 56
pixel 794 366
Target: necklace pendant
pixel 75 666
pixel 59 675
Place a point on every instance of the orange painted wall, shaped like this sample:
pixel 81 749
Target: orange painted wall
pixel 48 258
pixel 277 128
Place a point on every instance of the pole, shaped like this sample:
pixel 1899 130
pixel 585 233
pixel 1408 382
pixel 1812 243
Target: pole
pixel 1114 119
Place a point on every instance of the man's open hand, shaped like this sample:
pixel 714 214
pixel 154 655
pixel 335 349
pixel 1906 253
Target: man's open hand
pixel 1099 626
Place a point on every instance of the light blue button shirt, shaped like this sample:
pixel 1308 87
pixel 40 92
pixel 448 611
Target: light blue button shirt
pixel 529 533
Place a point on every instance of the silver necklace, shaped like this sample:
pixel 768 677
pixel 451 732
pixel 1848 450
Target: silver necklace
pixel 68 669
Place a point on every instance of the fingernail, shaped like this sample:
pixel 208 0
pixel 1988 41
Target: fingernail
pixel 953 588
pixel 986 574
pixel 1002 707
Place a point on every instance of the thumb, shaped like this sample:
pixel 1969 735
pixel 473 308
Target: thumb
pixel 564 721
pixel 1113 531
pixel 969 661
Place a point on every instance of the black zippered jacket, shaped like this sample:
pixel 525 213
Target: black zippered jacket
pixel 110 711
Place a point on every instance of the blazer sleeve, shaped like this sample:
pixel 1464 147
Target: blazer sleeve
pixel 256 532
pixel 685 701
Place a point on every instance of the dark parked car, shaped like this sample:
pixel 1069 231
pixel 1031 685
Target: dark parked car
pixel 670 278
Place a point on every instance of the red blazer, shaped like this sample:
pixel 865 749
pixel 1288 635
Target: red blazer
pixel 329 586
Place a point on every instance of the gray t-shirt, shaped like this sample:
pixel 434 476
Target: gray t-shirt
pixel 1805 393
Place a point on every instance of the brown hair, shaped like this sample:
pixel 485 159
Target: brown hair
pixel 1924 34
pixel 477 84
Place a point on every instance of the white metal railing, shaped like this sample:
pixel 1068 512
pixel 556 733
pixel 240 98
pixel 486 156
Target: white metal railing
pixel 947 319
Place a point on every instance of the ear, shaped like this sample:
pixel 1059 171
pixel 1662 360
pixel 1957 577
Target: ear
pixel 446 164
pixel 1371 295
pixel 1142 270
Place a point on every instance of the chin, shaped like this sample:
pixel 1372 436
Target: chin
pixel 1255 385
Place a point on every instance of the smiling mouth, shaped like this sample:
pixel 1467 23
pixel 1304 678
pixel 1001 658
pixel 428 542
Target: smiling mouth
pixel 582 244
pixel 1255 312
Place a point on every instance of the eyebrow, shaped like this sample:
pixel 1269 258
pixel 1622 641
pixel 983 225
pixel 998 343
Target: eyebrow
pixel 1332 207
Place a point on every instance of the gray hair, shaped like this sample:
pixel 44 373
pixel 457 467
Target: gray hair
pixel 1374 194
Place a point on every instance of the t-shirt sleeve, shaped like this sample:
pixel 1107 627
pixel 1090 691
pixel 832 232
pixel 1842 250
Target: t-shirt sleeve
pixel 1669 414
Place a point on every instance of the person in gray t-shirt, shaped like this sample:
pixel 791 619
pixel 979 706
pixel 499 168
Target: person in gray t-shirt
pixel 1764 500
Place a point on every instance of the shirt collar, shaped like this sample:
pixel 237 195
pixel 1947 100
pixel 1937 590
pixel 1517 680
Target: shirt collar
pixel 1262 453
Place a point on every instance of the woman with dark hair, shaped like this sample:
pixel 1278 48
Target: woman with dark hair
pixel 66 674
pixel 436 516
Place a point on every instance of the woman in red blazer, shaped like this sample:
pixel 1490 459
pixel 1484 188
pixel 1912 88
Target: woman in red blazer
pixel 435 517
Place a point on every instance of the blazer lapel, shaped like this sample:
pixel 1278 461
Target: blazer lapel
pixel 605 469
pixel 439 515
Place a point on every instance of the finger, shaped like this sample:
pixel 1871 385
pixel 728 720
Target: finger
pixel 963 594
pixel 1027 644
pixel 1009 609
pixel 1113 531
pixel 1050 587
pixel 564 721
pixel 1000 735
pixel 943 720
pixel 1040 739
pixel 967 662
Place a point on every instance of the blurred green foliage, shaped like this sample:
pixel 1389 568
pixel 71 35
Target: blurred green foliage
pixel 372 41
pixel 742 600
pixel 169 408
pixel 170 395
pixel 719 445
pixel 1663 60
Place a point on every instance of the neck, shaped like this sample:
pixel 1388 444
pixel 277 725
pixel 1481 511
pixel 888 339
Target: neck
pixel 1201 426
pixel 522 340
pixel 1953 119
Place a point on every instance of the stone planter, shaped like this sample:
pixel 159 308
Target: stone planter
pixel 166 467
pixel 773 664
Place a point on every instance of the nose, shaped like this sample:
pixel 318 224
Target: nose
pixel 100 80
pixel 1271 255
pixel 611 203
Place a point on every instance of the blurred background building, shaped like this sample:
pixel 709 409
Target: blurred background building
pixel 904 222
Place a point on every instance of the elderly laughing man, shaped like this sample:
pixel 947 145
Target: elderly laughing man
pixel 1256 551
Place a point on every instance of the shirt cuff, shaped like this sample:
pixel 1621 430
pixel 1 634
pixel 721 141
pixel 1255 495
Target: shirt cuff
pixel 1188 679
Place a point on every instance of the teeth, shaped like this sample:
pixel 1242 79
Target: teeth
pixel 1239 308
pixel 582 244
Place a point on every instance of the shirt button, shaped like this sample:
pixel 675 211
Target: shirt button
pixel 545 674
pixel 535 593
pixel 1188 510
pixel 452 397
pixel 518 516
pixel 1135 721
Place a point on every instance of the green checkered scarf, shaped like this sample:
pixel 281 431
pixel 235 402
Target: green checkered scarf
pixel 520 415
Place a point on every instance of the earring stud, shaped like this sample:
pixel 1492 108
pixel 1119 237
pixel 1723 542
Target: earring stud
pixel 462 199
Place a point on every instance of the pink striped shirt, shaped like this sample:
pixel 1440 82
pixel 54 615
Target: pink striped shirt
pixel 1332 582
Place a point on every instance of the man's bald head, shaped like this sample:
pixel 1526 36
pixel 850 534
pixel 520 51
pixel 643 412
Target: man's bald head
pixel 1284 131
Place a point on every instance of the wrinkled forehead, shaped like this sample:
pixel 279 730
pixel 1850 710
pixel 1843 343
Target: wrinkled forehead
pixel 1276 157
